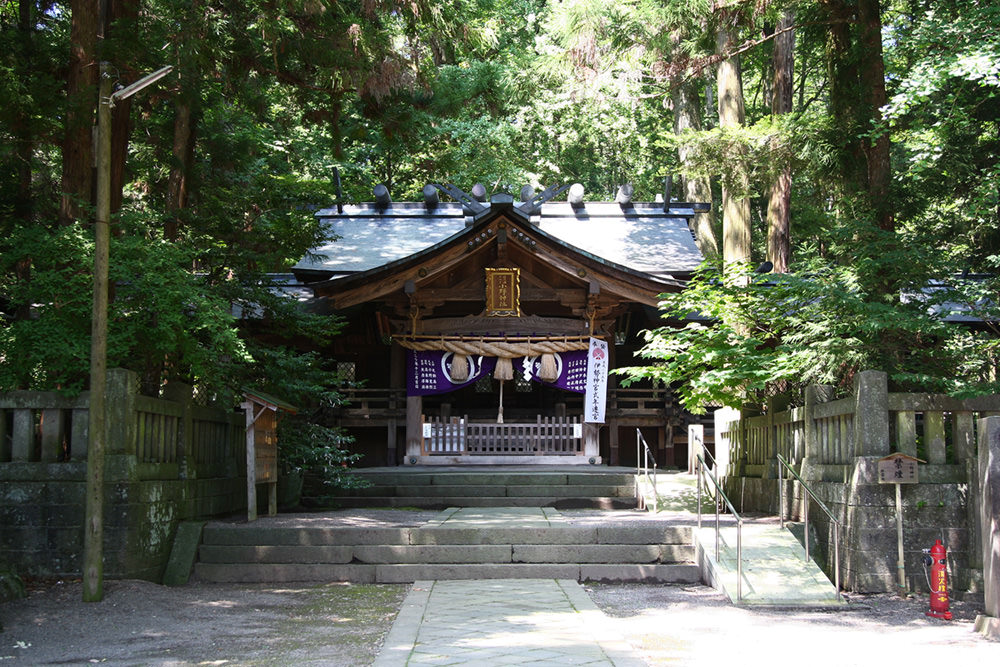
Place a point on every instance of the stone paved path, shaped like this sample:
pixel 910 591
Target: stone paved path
pixel 502 622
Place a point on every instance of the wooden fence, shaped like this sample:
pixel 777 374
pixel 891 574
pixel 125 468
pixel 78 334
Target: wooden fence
pixel 872 422
pixel 165 436
pixel 547 436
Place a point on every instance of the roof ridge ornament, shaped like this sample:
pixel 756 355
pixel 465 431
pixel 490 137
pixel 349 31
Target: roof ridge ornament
pixel 667 184
pixel 532 204
pixel 460 195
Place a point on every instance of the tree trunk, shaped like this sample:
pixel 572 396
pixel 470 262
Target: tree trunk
pixel 873 87
pixel 735 206
pixel 687 116
pixel 182 153
pixel 22 130
pixel 842 73
pixel 121 15
pixel 81 94
pixel 780 196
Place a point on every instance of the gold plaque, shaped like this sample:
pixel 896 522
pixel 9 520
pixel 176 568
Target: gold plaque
pixel 503 292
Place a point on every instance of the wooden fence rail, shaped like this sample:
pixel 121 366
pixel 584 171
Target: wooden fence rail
pixel 547 436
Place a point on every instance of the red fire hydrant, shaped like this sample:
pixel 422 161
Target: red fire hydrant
pixel 937 558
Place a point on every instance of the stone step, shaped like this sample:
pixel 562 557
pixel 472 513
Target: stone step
pixel 408 573
pixel 251 535
pixel 595 488
pixel 448 548
pixel 475 500
pixel 451 553
pixel 382 477
pixel 492 490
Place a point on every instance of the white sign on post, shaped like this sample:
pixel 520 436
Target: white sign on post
pixel 596 395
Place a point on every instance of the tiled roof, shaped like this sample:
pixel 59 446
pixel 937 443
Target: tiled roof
pixel 640 236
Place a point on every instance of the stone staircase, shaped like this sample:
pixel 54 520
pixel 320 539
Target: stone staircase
pixel 462 543
pixel 565 488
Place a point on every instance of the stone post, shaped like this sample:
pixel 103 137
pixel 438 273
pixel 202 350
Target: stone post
pixel 815 393
pixel 723 417
pixel 989 516
pixel 775 404
pixel 122 388
pixel 696 445
pixel 871 414
pixel 182 393
pixel 592 442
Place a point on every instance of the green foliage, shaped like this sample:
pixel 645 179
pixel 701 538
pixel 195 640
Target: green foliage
pixel 308 447
pixel 735 335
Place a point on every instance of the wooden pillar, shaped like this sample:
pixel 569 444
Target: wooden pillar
pixel 397 380
pixel 612 407
pixel 414 428
pixel 248 408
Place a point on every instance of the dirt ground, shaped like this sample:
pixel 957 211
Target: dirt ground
pixel 139 623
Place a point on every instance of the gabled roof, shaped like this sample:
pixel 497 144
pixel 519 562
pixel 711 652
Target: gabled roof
pixel 642 237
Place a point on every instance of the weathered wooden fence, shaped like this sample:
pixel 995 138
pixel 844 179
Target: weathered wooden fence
pixel 167 460
pixel 547 436
pixel 873 422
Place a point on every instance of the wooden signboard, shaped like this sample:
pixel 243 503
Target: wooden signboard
pixel 898 469
pixel 503 292
pixel 262 447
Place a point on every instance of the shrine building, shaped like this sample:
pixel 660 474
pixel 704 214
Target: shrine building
pixel 484 327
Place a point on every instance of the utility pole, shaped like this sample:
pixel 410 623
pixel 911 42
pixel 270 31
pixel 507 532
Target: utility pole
pixel 93 534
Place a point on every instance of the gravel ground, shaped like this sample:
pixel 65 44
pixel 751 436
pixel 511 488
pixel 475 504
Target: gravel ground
pixel 139 623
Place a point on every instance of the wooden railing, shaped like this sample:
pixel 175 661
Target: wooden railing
pixel 374 403
pixel 547 436
pixel 638 402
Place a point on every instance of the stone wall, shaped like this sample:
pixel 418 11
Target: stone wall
pixel 42 503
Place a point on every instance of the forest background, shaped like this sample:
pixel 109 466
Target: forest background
pixel 853 144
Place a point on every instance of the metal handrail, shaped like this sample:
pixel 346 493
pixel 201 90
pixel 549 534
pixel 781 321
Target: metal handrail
pixel 805 517
pixel 647 455
pixel 739 524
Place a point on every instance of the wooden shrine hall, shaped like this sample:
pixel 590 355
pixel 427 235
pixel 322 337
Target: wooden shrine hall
pixel 484 328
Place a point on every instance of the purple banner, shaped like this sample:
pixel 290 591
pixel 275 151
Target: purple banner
pixel 571 366
pixel 429 371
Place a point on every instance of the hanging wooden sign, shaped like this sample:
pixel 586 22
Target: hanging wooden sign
pixel 503 292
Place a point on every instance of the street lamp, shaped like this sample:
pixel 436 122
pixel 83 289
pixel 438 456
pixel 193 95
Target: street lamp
pixel 93 534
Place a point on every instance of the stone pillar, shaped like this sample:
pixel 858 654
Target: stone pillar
pixel 696 445
pixel 183 394
pixel 122 388
pixel 592 442
pixel 871 414
pixel 989 516
pixel 723 417
pixel 414 428
pixel 815 393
